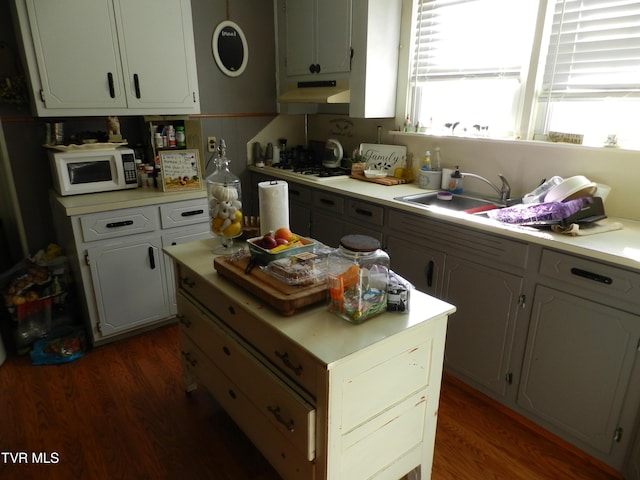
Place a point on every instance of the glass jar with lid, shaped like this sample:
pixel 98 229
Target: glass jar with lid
pixel 358 275
pixel 225 202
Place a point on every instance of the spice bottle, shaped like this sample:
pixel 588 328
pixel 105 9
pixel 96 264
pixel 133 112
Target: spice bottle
pixel 358 276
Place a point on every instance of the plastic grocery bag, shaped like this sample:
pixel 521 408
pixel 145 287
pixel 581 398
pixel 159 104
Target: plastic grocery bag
pixel 68 345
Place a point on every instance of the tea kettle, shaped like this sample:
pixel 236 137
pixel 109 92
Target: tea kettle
pixel 332 154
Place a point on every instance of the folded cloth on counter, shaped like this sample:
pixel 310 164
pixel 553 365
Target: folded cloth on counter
pixel 539 212
pixel 587 228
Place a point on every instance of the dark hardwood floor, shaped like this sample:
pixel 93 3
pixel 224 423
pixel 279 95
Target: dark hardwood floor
pixel 120 412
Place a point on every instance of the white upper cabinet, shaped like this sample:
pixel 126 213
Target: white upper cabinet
pixel 339 52
pixel 109 57
pixel 318 36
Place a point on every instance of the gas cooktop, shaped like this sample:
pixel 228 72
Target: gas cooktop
pixel 312 172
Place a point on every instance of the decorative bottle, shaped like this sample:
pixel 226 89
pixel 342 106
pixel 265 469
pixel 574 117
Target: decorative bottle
pixel 225 200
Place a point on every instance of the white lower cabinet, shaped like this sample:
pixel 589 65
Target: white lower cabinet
pixel 319 397
pixel 129 284
pixel 124 279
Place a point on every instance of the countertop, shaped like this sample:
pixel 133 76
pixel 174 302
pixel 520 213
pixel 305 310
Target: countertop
pixel 323 334
pixel 105 201
pixel 619 247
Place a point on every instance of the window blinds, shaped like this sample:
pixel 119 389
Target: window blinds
pixel 594 50
pixel 469 38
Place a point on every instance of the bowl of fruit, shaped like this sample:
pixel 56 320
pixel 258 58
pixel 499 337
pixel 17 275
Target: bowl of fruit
pixel 278 244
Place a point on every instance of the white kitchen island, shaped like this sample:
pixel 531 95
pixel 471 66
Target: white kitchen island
pixel 319 397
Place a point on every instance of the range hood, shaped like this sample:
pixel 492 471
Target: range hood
pixel 323 91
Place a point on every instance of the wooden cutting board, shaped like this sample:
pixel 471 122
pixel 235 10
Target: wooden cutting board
pixel 381 181
pixel 285 298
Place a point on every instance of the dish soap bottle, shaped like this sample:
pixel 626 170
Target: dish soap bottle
pixel 426 163
pixel 455 183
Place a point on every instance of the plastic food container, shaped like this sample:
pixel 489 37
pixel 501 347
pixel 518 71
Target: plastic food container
pixel 264 256
pixel 305 268
pixel 358 278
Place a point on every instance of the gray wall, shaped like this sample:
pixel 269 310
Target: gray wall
pixel 231 108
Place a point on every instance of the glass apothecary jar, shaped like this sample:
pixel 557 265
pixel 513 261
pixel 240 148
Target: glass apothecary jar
pixel 358 275
pixel 225 202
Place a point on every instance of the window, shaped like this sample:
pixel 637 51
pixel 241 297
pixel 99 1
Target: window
pixel 482 65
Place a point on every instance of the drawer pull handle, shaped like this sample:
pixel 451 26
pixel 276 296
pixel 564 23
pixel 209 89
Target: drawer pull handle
pixel 596 277
pixel 276 413
pixel 226 350
pixel 184 320
pixel 295 192
pixel 232 394
pixel 124 223
pixel 191 213
pixel 366 213
pixel 232 310
pixel 326 201
pixel 188 359
pixel 186 281
pixel 287 363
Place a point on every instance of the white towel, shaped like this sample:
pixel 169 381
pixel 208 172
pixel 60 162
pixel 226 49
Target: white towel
pixel 587 228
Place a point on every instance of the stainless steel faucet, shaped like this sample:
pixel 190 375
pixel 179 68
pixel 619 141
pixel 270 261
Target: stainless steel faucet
pixel 504 191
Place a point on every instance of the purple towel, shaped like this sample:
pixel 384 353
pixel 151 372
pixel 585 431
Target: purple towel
pixel 551 211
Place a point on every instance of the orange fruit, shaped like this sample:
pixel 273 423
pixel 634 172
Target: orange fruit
pixel 284 233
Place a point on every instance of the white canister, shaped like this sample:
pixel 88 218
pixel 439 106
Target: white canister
pixel 446 178
pixel 430 179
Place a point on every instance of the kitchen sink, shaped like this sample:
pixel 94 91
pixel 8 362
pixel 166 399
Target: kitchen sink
pixel 458 202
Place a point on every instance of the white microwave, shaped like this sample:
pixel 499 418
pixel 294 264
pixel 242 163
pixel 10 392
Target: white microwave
pixel 92 171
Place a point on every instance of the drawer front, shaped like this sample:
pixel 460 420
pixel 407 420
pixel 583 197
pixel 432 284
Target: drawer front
pixel 277 449
pixel 299 193
pixel 284 407
pixel 473 245
pixel 118 223
pixel 328 201
pixel 591 276
pixel 177 214
pixel 297 364
pixel 365 212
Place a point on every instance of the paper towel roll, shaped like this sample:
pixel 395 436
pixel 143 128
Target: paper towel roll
pixel 274 205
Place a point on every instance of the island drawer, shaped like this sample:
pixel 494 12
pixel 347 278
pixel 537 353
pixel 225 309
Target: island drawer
pixel 284 407
pixel 589 277
pixel 277 449
pixel 188 212
pixel 293 361
pixel 118 223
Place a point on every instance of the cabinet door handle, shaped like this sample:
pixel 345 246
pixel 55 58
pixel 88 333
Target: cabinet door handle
pixel 191 213
pixel 136 83
pixel 124 223
pixel 275 411
pixel 596 277
pixel 152 259
pixel 112 90
pixel 430 268
pixel 287 363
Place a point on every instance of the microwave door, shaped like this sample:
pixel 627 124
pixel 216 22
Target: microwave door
pixel 81 173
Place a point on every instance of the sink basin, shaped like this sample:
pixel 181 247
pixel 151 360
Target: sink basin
pixel 457 202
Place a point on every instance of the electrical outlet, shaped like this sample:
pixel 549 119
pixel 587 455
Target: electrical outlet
pixel 211 144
